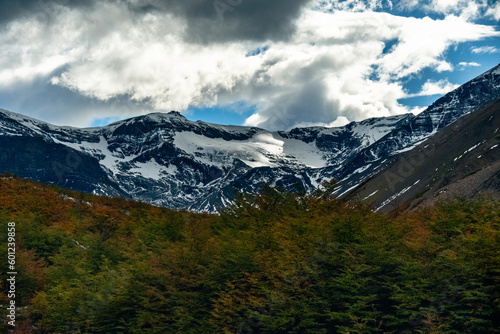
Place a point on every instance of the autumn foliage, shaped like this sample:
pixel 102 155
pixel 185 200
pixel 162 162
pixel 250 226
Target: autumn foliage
pixel 272 263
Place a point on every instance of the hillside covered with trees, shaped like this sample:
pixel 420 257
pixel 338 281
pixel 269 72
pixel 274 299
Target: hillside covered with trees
pixel 272 263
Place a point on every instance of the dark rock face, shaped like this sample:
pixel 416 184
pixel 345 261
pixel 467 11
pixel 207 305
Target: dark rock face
pixel 462 160
pixel 168 160
pixel 415 129
pixel 38 160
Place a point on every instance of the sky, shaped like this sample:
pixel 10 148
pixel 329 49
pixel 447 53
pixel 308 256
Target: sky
pixel 275 64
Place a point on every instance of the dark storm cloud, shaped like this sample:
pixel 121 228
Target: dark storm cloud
pixel 301 107
pixel 207 20
pixel 62 106
pixel 13 9
pixel 229 20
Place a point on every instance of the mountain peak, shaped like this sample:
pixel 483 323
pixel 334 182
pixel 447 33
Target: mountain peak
pixel 161 116
pixel 175 113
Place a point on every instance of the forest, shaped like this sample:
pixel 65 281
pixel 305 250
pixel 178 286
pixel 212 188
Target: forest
pixel 274 262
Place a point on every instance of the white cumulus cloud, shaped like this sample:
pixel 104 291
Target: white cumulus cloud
pixel 464 64
pixel 334 66
pixel 494 11
pixel 466 9
pixel 430 87
pixel 485 49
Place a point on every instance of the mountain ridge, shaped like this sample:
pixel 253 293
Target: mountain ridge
pixel 167 160
pixel 463 160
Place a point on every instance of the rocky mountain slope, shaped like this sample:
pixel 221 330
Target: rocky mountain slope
pixel 167 160
pixel 463 160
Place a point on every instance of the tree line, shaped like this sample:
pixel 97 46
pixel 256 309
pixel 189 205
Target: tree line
pixel 275 262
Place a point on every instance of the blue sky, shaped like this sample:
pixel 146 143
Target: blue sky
pixel 276 64
pixel 458 54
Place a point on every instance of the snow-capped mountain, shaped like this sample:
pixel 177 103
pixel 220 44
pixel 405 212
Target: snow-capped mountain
pixel 168 160
pixel 465 99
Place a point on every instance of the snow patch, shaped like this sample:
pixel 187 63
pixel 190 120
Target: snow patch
pixel 374 132
pixel 411 147
pixel 373 193
pixel 263 149
pixel 470 149
pixel 151 169
pixel 361 169
pixel 101 150
pixel 392 198
pixel 348 190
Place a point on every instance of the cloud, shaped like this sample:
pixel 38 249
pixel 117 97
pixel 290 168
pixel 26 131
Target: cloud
pixel 46 10
pixel 485 49
pixel 356 78
pixel 443 66
pixel 208 21
pixel 315 65
pixel 352 5
pixel 440 87
pixel 466 9
pixel 59 105
pixel 494 11
pixel 31 49
pixel 423 42
pixel 205 20
pixel 465 64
